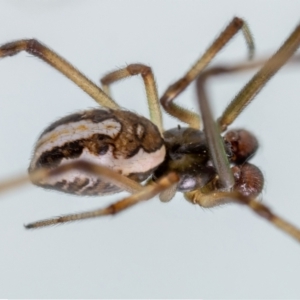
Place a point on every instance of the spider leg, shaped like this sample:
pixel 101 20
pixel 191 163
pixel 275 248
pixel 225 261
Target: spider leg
pixel 215 143
pixel 37 49
pixel 240 67
pixel 102 172
pixel 211 129
pixel 217 198
pixel 150 86
pixel 179 86
pixel 145 193
pixel 259 80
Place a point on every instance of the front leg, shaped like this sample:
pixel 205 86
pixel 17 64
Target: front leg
pixel 251 179
pixel 180 85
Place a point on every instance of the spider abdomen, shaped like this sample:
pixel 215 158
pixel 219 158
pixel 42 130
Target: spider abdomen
pixel 121 140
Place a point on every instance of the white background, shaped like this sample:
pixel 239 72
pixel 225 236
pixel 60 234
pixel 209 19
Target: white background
pixel 152 250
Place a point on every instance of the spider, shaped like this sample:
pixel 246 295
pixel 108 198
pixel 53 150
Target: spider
pixel 109 149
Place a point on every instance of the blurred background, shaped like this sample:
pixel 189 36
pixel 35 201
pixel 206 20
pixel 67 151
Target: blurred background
pixel 153 250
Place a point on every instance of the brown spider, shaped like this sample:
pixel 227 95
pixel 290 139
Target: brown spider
pixel 106 150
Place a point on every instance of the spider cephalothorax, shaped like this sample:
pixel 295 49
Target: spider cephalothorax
pixel 188 155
